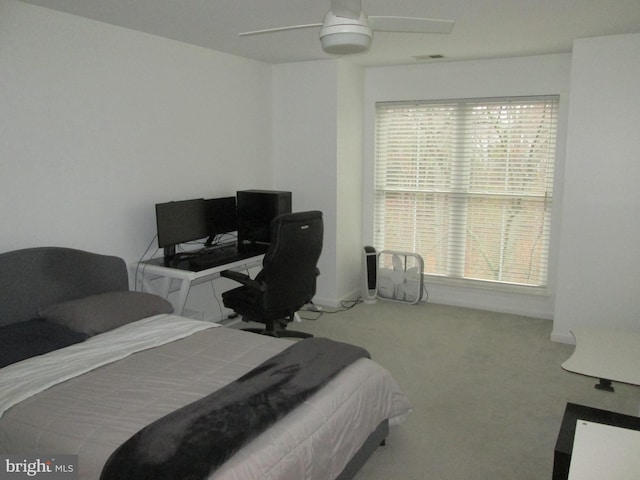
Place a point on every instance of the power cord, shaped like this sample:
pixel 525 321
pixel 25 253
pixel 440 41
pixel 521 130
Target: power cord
pixel 215 295
pixel 426 293
pixel 135 282
pixel 312 308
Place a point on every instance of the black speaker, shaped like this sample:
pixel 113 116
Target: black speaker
pixel 370 278
pixel 256 209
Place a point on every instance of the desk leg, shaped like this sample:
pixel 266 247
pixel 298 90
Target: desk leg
pixel 604 384
pixel 165 287
pixel 147 285
pixel 183 293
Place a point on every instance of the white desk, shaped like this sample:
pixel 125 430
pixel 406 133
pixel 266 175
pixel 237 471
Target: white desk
pixel 607 354
pixel 154 277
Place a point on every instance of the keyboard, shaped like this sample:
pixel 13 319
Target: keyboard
pixel 216 257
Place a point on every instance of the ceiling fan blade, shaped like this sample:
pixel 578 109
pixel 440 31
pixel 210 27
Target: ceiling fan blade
pixel 346 8
pixel 410 25
pixel 279 29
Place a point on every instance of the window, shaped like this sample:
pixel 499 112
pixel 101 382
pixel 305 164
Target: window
pixel 468 184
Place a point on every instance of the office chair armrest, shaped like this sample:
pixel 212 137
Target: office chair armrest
pixel 243 279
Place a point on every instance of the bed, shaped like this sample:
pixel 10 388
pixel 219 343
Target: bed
pixel 105 364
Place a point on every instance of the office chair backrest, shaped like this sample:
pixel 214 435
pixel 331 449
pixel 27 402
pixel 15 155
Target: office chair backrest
pixel 289 266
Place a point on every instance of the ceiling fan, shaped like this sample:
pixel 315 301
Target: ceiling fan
pixel 346 29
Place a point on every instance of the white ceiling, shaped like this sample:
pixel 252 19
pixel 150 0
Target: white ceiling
pixel 483 28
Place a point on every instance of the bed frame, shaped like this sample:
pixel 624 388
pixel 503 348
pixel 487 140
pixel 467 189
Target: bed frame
pixel 33 278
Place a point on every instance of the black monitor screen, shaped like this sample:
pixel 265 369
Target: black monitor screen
pixel 221 215
pixel 180 222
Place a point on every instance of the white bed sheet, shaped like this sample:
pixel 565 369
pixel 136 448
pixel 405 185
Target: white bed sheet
pixel 93 413
pixel 24 379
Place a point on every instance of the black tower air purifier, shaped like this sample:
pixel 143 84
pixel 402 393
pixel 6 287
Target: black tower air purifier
pixel 370 277
pixel 256 209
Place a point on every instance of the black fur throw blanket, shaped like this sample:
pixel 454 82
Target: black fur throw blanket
pixel 191 442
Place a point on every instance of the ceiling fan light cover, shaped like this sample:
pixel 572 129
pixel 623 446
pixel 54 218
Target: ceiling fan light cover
pixel 346 29
pixel 345 40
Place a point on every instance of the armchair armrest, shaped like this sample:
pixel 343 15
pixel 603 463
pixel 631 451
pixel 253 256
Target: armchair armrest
pixel 243 279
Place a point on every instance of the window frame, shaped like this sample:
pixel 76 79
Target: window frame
pixel 461 280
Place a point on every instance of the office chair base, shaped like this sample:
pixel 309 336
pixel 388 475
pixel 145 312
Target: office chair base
pixel 294 334
pixel 278 333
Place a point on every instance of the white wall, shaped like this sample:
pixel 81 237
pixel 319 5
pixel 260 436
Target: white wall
pixel 349 180
pixel 536 75
pixel 317 151
pixel 99 123
pixel 304 150
pixel 599 268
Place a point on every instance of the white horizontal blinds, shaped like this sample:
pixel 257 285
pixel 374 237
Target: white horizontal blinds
pixel 414 150
pixel 468 185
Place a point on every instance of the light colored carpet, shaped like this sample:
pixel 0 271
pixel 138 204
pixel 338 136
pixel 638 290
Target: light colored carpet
pixel 487 388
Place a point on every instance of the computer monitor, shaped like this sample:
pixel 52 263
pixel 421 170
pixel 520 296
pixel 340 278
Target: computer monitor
pixel 221 217
pixel 180 222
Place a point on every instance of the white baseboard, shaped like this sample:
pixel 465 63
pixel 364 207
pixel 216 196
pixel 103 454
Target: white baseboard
pixel 563 338
pixel 350 297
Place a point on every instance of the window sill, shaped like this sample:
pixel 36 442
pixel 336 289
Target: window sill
pixel 486 285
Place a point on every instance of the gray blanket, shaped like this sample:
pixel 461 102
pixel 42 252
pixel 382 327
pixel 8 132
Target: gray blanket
pixel 191 442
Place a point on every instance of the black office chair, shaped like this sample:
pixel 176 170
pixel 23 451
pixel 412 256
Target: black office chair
pixel 287 280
